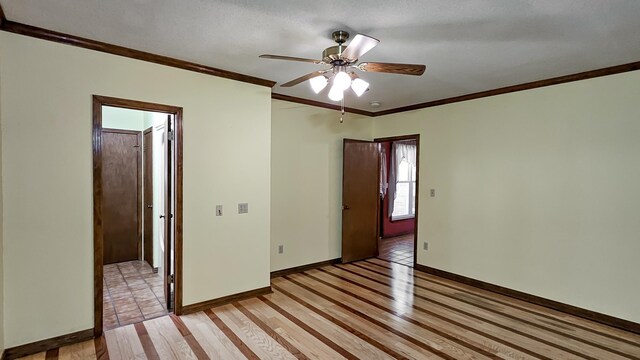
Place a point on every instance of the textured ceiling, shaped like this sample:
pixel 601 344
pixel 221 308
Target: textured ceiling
pixel 468 46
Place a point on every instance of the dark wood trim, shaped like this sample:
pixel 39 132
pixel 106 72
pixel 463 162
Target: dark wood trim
pixel 415 137
pixel 520 87
pixel 98 246
pixel 3 19
pixel 121 131
pixel 301 268
pixel 398 138
pixel 536 300
pixel 178 219
pixel 45 34
pixel 139 200
pixel 98 239
pixel 47 344
pixel 135 105
pixel 612 70
pixel 28 30
pixel 205 305
pixel 320 104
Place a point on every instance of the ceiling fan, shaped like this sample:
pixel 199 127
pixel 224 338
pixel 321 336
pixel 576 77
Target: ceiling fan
pixel 342 59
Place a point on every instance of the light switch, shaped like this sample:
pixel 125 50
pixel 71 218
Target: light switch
pixel 243 208
pixel 218 210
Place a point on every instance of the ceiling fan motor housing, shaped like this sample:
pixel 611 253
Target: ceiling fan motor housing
pixel 340 36
pixel 333 55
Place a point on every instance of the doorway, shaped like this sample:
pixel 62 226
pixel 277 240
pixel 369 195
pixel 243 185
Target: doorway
pixel 380 199
pixel 398 199
pixel 137 184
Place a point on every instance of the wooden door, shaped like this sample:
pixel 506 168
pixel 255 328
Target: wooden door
pixel 121 173
pixel 168 208
pixel 360 189
pixel 147 155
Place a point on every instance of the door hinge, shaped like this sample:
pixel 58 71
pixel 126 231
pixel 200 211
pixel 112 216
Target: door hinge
pixel 171 135
pixel 171 279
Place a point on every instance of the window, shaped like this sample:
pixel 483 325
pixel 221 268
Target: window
pixel 405 181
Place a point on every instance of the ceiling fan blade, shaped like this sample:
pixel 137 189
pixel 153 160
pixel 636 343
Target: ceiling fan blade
pixel 359 46
pixel 303 78
pixel 290 58
pixel 405 69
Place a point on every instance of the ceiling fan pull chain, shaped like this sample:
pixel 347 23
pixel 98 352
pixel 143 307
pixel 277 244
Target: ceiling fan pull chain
pixel 342 111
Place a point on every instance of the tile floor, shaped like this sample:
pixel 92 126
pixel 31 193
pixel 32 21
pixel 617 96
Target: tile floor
pixel 132 293
pixel 397 249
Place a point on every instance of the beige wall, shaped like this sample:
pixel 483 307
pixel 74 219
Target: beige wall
pixel 46 93
pixel 123 119
pixel 536 190
pixel 306 181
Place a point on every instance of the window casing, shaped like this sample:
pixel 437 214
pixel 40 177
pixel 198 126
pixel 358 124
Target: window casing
pixel 404 206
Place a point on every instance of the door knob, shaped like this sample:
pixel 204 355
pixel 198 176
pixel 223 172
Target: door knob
pixel 149 206
pixel 161 216
pixel 345 207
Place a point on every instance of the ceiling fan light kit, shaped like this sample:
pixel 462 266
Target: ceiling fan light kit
pixel 342 60
pixel 318 83
pixel 336 94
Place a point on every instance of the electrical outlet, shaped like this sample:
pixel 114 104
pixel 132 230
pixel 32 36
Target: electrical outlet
pixel 280 249
pixel 243 208
pixel 433 192
pixel 425 245
pixel 218 210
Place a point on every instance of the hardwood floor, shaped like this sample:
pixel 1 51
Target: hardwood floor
pixel 397 249
pixel 371 309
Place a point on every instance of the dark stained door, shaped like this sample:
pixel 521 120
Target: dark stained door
pixel 147 155
pixel 360 200
pixel 121 174
pixel 168 206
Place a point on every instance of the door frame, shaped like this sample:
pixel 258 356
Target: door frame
pixel 415 137
pixel 98 244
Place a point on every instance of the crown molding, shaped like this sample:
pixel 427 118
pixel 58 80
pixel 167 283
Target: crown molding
pixel 520 87
pixel 45 34
pixel 504 90
pixel 320 104
pixel 28 30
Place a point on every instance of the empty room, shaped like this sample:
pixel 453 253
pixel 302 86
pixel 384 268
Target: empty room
pixel 319 180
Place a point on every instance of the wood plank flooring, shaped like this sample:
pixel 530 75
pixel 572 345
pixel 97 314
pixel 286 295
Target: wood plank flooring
pixel 371 309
